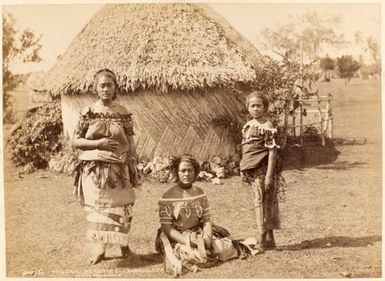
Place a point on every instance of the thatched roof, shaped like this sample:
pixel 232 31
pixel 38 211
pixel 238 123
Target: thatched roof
pixel 164 46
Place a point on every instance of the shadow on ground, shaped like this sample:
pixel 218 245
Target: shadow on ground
pixel 332 241
pixel 313 154
pixel 341 165
pixel 136 260
pixel 308 155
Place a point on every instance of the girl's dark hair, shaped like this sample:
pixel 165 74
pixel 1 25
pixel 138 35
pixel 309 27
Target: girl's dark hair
pixel 108 73
pixel 183 158
pixel 259 95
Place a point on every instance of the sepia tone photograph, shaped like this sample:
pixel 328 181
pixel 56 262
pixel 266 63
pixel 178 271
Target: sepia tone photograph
pixel 192 140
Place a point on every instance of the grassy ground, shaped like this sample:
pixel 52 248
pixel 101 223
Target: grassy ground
pixel 331 220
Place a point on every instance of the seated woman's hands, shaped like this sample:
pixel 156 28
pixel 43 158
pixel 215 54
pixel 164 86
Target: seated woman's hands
pixel 107 144
pixel 208 235
pixel 208 241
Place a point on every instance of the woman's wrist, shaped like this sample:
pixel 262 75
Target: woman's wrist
pixel 207 236
pixel 98 143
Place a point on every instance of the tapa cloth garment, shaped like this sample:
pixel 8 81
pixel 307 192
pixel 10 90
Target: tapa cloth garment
pixel 104 181
pixel 264 203
pixel 188 216
pixel 105 178
pixel 257 140
pixel 109 225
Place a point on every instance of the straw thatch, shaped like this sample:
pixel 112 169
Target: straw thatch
pixel 176 66
pixel 162 46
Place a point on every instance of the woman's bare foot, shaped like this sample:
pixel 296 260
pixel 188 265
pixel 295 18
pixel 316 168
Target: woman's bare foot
pixel 98 252
pixel 126 251
pixel 96 259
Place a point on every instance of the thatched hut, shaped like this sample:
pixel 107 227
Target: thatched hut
pixel 177 65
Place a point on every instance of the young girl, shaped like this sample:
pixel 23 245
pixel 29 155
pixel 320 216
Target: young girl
pixel 258 168
pixel 107 172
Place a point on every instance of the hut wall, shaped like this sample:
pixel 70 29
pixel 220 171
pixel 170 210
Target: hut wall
pixel 203 124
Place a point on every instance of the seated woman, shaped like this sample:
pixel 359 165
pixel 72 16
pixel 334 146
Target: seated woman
pixel 187 238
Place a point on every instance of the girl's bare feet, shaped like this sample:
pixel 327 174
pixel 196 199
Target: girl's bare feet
pixel 270 242
pixel 261 243
pixel 98 252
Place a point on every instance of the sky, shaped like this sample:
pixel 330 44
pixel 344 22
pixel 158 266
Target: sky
pixel 60 23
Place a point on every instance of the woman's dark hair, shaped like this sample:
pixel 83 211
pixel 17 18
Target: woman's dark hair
pixel 108 73
pixel 259 95
pixel 183 158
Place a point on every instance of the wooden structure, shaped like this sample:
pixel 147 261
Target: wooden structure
pixel 310 108
pixel 313 111
pixel 176 64
pixel 37 92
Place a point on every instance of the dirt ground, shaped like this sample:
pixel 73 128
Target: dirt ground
pixel 331 219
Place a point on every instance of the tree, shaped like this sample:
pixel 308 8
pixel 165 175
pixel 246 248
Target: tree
pixel 346 67
pixel 18 46
pixel 277 79
pixel 374 48
pixel 301 41
pixel 327 65
pixel 368 44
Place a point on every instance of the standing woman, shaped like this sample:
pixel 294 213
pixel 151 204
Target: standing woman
pixel 107 174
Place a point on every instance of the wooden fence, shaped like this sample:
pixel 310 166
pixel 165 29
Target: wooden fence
pixel 302 113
